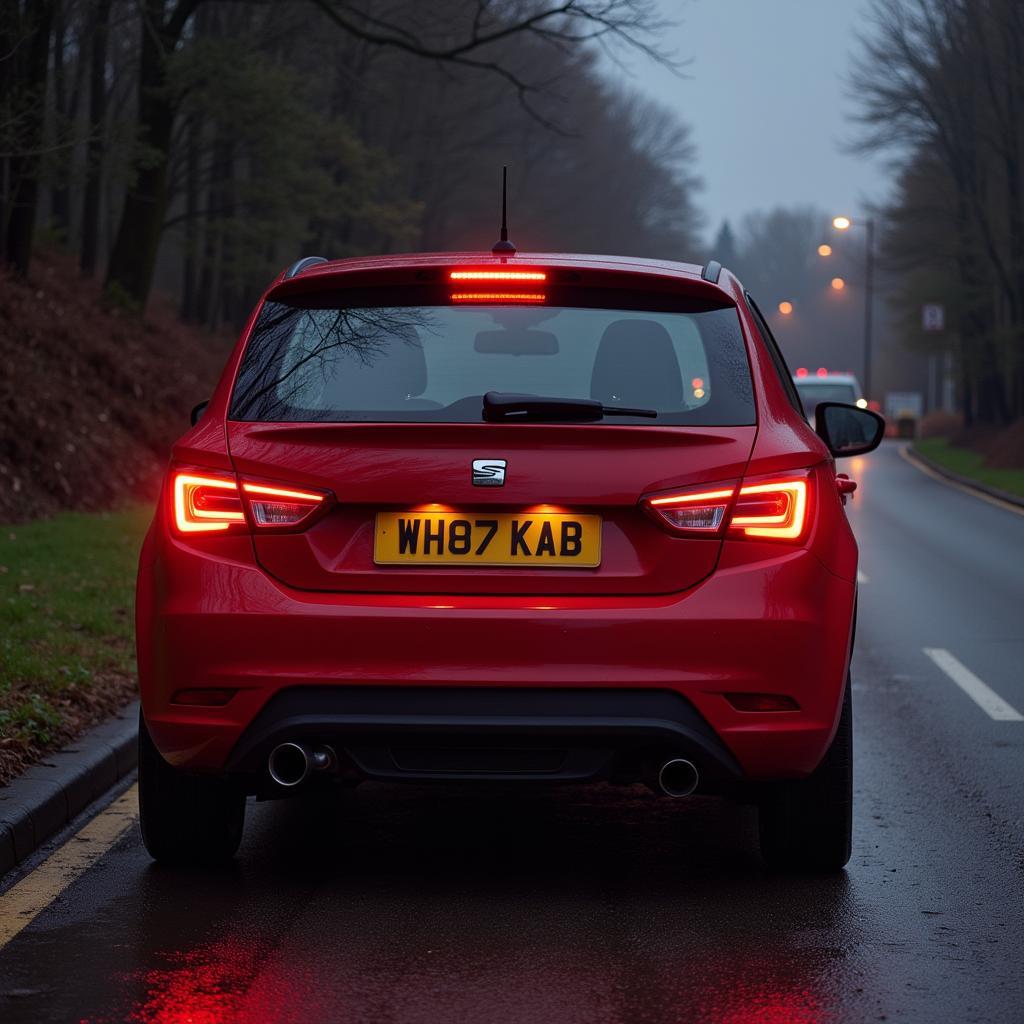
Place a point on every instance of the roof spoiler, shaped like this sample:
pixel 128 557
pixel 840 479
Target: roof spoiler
pixel 712 271
pixel 304 264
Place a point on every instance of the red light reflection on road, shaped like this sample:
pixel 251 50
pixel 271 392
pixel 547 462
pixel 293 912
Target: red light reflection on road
pixel 228 980
pixel 747 1005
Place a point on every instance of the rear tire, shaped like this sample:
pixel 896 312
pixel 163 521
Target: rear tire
pixel 807 824
pixel 186 819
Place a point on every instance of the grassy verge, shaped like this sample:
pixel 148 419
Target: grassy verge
pixel 66 609
pixel 970 464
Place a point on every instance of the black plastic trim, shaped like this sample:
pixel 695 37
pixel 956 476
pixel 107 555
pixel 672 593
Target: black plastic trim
pixel 371 718
pixel 712 271
pixel 304 264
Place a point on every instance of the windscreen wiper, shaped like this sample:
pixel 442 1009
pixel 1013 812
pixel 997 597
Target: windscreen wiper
pixel 499 406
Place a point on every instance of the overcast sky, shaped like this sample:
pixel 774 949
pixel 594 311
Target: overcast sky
pixel 767 100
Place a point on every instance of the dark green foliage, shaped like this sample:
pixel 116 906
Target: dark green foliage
pixel 200 145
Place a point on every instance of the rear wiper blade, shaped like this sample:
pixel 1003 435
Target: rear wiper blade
pixel 499 406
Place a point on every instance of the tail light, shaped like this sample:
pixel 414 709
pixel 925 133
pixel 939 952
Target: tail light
pixel 206 502
pixel 694 512
pixel 500 298
pixel 777 508
pixel 212 502
pixel 281 508
pixel 768 508
pixel 497 275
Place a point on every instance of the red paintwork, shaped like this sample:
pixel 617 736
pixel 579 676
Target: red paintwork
pixel 372 467
pixel 701 616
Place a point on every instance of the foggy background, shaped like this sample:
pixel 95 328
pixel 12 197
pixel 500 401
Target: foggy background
pixel 161 161
pixel 767 95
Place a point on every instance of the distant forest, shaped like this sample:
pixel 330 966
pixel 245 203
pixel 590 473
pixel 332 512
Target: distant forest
pixel 941 89
pixel 200 145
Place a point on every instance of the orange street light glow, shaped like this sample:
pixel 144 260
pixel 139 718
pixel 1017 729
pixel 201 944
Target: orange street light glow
pixel 785 308
pixel 838 284
pixel 841 223
pixel 824 250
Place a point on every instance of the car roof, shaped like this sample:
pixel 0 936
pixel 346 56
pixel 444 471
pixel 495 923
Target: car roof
pixel 314 273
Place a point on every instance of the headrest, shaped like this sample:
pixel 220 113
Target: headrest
pixel 636 365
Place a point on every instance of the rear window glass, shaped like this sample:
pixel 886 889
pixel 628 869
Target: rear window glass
pixel 434 363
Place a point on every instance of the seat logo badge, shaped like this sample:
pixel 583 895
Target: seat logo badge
pixel 489 472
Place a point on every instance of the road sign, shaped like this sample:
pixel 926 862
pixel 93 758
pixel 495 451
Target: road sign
pixel 903 404
pixel 933 317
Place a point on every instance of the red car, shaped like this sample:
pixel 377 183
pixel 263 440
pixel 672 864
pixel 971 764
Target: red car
pixel 518 517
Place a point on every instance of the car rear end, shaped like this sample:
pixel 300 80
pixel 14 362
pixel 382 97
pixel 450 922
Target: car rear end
pixel 356 571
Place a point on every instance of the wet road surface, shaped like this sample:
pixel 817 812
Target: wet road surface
pixel 402 904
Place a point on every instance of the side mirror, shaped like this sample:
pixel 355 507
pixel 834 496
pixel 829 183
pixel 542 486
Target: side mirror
pixel 848 430
pixel 197 412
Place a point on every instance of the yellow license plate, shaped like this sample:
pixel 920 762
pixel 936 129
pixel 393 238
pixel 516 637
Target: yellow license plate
pixel 535 539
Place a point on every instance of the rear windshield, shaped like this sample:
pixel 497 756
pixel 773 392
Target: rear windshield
pixel 434 363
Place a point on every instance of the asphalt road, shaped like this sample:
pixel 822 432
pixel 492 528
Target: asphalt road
pixel 415 905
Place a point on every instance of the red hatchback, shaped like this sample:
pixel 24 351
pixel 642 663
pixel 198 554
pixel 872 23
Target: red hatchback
pixel 528 518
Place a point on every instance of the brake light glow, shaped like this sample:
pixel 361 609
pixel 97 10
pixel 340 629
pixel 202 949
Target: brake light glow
pixel 278 507
pixel 206 503
pixel 701 512
pixel 497 275
pixel 776 509
pixel 502 297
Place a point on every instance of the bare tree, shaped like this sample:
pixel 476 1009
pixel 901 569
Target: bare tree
pixel 25 29
pixel 940 84
pixel 471 40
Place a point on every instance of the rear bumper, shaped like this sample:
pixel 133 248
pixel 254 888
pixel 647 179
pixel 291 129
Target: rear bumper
pixel 568 735
pixel 779 625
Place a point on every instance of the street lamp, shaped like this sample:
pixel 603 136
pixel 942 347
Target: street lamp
pixel 844 224
pixel 838 284
pixel 785 308
pixel 825 250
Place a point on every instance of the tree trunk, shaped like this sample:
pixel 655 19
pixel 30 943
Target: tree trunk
pixel 133 258
pixel 1015 88
pixel 23 168
pixel 92 200
pixel 60 193
pixel 8 41
pixel 189 285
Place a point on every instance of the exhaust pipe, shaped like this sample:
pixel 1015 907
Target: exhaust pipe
pixel 678 777
pixel 290 763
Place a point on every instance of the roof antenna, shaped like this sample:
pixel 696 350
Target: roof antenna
pixel 503 247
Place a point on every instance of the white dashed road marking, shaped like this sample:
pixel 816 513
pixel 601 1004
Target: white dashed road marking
pixel 983 695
